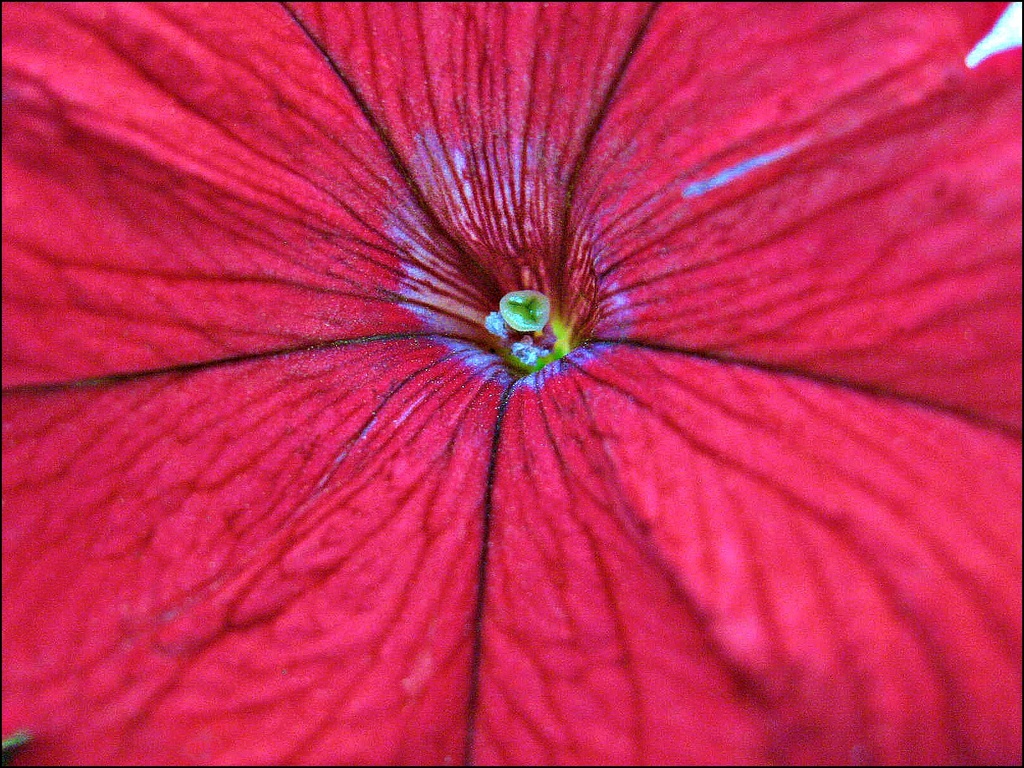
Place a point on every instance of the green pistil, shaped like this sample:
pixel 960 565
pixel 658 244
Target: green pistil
pixel 526 335
pixel 525 311
pixel 562 339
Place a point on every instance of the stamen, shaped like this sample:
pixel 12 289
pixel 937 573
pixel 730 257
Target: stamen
pixel 495 324
pixel 525 352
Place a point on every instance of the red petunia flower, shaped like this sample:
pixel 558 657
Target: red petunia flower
pixel 279 487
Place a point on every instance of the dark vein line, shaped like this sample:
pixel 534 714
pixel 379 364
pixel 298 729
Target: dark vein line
pixel 399 164
pixel 481 593
pixel 185 368
pixel 361 103
pixel 591 133
pixel 873 390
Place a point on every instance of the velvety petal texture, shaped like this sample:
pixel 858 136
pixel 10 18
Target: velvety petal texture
pixel 184 186
pixel 271 494
pixel 699 562
pixel 820 189
pixel 489 110
pixel 252 563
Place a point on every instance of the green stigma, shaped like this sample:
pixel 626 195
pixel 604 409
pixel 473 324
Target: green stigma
pixel 525 311
pixel 525 333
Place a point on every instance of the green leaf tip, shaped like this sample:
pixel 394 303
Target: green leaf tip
pixel 14 742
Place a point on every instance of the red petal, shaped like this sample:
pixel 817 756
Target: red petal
pixel 688 561
pixel 184 184
pixel 490 109
pixel 877 236
pixel 250 564
pixel 697 563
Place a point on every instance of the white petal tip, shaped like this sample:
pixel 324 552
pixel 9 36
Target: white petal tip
pixel 1005 36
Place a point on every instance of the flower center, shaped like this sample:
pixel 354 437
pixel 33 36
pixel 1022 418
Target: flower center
pixel 525 311
pixel 523 333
